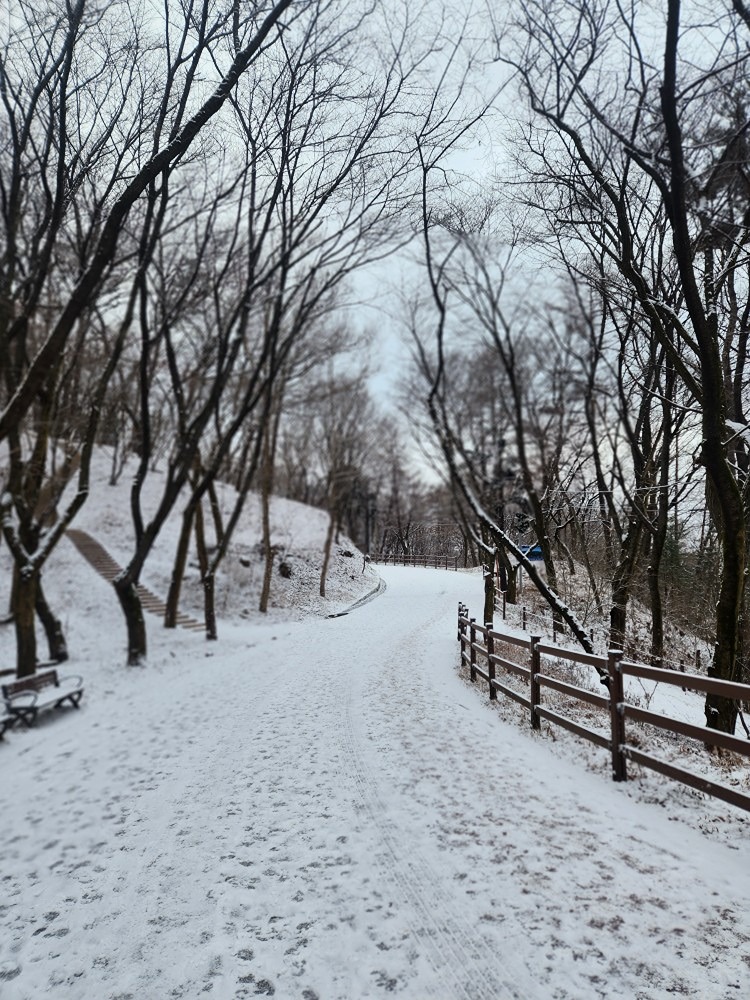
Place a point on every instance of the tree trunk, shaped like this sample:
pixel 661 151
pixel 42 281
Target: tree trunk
pixel 130 603
pixel 721 713
pixel 511 576
pixel 621 584
pixel 200 541
pixel 266 485
pixel 213 501
pixel 209 605
pixel 178 570
pixel 327 554
pixel 653 576
pixel 24 620
pixel 267 572
pixel 489 596
pixel 208 579
pixel 58 649
pixel 657 611
pixel 12 595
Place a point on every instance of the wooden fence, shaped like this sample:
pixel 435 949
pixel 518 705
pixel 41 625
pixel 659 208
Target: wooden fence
pixel 438 562
pixel 479 651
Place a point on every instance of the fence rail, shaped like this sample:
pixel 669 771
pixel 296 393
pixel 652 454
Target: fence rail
pixel 479 644
pixel 437 562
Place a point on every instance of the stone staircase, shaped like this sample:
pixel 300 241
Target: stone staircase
pixel 105 565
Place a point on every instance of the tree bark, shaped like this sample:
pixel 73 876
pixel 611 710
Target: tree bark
pixel 489 596
pixel 622 579
pixel 265 501
pixel 327 553
pixel 209 604
pixel 511 576
pixel 130 603
pixel 24 620
pixel 208 579
pixel 58 648
pixel 178 570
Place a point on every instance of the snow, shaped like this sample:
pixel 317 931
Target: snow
pixel 740 430
pixel 324 808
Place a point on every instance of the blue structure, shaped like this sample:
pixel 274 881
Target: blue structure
pixel 532 552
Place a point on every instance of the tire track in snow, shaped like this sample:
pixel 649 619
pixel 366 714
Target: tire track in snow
pixel 453 946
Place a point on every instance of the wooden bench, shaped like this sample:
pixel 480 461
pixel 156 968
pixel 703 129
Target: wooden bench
pixel 27 697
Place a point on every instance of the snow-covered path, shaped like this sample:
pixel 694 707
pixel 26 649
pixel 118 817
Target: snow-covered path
pixel 325 810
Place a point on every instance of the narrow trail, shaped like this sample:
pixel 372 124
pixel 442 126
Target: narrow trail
pixel 98 557
pixel 325 811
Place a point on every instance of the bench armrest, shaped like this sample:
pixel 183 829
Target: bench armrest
pixel 21 700
pixel 70 681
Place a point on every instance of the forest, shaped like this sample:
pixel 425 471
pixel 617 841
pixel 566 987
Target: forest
pixel 189 191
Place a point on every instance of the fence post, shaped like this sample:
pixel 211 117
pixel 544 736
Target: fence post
pixel 503 605
pixel 523 617
pixel 534 692
pixel 616 697
pixel 490 664
pixel 472 650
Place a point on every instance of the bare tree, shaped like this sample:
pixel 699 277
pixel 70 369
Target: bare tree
pixel 96 117
pixel 617 166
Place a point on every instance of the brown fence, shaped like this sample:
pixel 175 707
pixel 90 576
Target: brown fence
pixel 437 562
pixel 480 646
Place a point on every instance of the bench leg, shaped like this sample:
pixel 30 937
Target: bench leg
pixel 27 717
pixel 72 698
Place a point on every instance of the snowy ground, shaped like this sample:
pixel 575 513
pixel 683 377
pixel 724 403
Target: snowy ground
pixel 324 809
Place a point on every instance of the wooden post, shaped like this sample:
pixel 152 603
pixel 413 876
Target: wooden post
pixel 490 664
pixel 617 722
pixel 472 651
pixel 504 606
pixel 523 617
pixel 534 691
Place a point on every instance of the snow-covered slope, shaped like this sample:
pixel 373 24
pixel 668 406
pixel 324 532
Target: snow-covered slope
pixel 82 599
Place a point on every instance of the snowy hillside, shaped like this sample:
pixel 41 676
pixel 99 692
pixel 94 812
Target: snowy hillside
pixel 81 598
